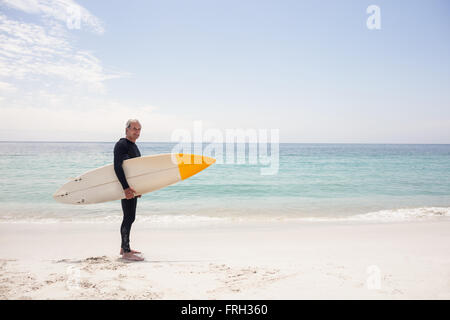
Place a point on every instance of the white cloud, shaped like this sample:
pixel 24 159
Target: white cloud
pixel 50 90
pixel 7 87
pixel 30 51
pixel 64 11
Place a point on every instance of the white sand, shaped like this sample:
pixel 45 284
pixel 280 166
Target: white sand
pixel 240 261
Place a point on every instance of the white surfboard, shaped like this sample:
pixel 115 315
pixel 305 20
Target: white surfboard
pixel 144 174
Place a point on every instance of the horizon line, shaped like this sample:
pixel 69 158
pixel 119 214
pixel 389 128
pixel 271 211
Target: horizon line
pixel 75 141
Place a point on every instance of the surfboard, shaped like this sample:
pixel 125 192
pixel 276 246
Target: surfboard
pixel 144 174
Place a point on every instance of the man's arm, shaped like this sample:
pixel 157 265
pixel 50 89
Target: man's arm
pixel 120 154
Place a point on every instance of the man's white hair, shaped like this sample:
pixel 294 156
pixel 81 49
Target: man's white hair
pixel 130 121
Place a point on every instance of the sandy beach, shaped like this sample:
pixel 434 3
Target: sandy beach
pixel 277 260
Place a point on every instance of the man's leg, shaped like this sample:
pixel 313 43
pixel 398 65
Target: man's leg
pixel 129 214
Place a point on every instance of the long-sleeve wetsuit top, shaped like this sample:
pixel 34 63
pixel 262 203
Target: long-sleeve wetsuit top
pixel 123 150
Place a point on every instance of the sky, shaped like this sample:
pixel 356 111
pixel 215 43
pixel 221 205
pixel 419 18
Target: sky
pixel 78 70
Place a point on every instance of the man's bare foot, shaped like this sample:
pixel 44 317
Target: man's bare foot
pixel 131 256
pixel 132 251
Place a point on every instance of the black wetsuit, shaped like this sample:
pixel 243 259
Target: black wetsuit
pixel 125 149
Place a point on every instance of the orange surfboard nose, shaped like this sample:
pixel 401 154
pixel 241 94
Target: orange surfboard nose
pixel 190 164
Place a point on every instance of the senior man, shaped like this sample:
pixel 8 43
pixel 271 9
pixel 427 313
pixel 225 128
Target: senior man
pixel 126 148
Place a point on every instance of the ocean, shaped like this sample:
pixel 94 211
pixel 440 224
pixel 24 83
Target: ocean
pixel 313 182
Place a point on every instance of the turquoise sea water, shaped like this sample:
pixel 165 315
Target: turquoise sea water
pixel 314 182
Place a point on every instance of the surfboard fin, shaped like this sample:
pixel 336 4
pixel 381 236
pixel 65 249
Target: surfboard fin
pixel 74 178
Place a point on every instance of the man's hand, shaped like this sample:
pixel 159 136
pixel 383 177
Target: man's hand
pixel 129 193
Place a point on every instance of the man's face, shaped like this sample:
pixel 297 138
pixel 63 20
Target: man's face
pixel 134 130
